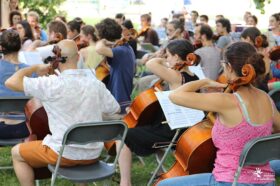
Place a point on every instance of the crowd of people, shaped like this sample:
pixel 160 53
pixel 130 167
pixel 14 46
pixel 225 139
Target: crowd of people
pixel 77 94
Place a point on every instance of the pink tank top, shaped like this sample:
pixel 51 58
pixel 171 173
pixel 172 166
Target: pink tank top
pixel 230 142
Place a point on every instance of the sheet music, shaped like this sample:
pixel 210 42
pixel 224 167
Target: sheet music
pixel 198 71
pixel 178 116
pixel 45 51
pixel 30 58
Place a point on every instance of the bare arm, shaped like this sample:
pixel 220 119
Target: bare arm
pixel 102 48
pixel 15 82
pixel 35 44
pixel 186 96
pixel 158 67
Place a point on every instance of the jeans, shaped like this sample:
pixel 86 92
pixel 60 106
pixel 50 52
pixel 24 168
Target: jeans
pixel 206 179
pixel 275 166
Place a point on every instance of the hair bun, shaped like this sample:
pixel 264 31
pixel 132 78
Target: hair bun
pixel 257 60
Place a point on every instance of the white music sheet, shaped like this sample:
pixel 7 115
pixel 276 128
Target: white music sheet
pixel 30 58
pixel 198 71
pixel 178 116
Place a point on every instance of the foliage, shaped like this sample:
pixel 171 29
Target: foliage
pixel 260 4
pixel 47 9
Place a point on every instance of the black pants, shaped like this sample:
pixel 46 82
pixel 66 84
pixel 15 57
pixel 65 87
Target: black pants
pixel 140 140
pixel 13 131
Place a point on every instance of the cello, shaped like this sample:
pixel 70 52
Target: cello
pixel 195 152
pixel 145 106
pixel 36 116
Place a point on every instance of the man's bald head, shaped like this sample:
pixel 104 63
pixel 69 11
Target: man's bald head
pixel 68 48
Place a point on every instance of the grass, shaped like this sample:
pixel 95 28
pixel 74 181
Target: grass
pixel 140 173
pixel 140 176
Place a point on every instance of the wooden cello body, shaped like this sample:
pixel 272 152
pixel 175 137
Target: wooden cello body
pixel 36 120
pixel 195 151
pixel 37 124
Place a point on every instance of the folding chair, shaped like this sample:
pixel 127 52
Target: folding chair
pixel 253 153
pixel 12 104
pixel 275 95
pixel 84 133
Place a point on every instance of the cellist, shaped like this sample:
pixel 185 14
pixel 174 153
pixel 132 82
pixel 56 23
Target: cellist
pixel 141 139
pixel 120 58
pixel 240 118
pixel 89 98
pixel 89 57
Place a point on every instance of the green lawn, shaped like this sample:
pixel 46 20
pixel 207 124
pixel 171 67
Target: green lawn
pixel 140 175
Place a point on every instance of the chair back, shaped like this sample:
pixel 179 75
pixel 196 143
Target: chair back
pixel 258 151
pixel 90 132
pixel 253 151
pixel 84 133
pixel 275 96
pixel 12 104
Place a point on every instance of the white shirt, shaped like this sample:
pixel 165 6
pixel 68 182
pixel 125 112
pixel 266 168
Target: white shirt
pixel 72 97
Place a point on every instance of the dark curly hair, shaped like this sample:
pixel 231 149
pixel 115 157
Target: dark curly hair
pixel 10 41
pixel 11 16
pixel 225 23
pixel 109 29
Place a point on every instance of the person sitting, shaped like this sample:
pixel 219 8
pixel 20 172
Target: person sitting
pixel 89 57
pixel 240 118
pixel 74 28
pixel 203 19
pixel 273 35
pixel 33 20
pixel 223 29
pixel 120 58
pixel 25 33
pixel 11 126
pixel 14 18
pixel 253 20
pixel 126 25
pixel 140 140
pixel 120 18
pixel 89 98
pixel 251 35
pixel 209 54
pixel 150 35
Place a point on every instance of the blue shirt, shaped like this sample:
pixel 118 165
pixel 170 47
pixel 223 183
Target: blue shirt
pixel 275 71
pixel 44 36
pixel 7 70
pixel 121 74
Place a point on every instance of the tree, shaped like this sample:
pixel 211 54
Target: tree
pixel 47 9
pixel 260 4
